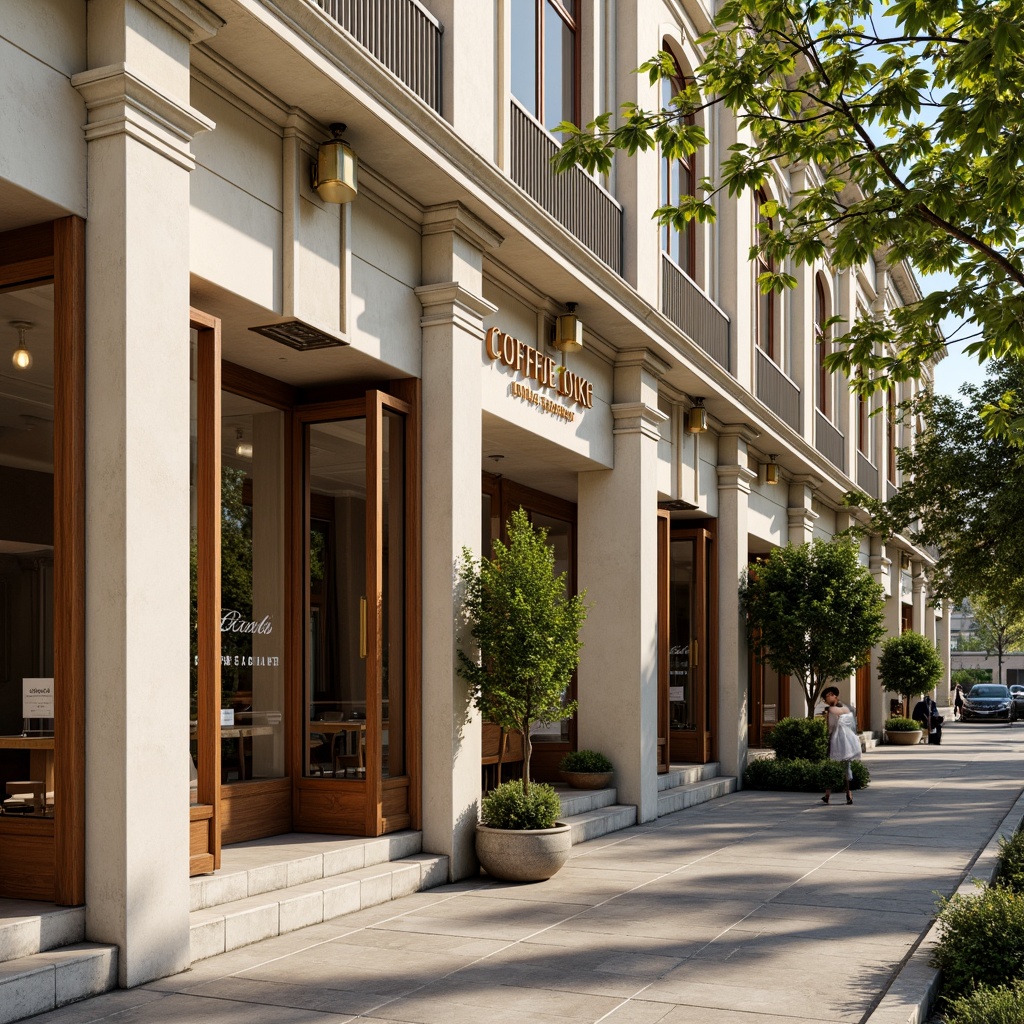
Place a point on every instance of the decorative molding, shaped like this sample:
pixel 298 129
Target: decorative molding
pixel 191 19
pixel 450 303
pixel 455 218
pixel 121 103
pixel 637 418
pixel 642 358
pixel 742 431
pixel 735 478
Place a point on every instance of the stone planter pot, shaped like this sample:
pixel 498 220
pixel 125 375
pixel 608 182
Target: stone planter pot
pixel 587 780
pixel 523 855
pixel 904 739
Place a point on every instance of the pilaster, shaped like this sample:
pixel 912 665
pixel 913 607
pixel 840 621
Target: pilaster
pixel 139 129
pixel 800 512
pixel 618 565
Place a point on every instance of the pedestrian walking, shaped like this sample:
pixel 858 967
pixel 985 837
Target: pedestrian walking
pixel 958 703
pixel 843 741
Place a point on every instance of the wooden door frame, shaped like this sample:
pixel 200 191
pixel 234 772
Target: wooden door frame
pixel 45 858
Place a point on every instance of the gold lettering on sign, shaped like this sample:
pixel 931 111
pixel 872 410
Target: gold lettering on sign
pixel 532 364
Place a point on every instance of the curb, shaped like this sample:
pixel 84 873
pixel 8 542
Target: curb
pixel 911 994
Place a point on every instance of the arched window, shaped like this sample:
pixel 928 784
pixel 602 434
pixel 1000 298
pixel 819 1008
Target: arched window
pixel 678 178
pixel 765 301
pixel 821 348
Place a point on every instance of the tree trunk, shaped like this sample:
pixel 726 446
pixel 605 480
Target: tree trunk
pixel 527 750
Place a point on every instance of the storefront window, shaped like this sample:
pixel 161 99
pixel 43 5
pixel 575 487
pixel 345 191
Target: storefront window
pixel 682 702
pixel 27 711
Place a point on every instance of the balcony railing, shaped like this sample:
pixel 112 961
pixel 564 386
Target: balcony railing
pixel 574 199
pixel 829 441
pixel 867 476
pixel 402 34
pixel 777 391
pixel 693 312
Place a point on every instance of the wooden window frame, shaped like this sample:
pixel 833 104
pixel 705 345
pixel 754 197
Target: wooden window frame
pixel 45 858
pixel 822 348
pixel 573 24
pixel 683 172
pixel 763 264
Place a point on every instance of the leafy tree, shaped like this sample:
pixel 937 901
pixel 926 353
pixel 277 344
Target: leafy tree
pixel 910 117
pixel 998 629
pixel 967 677
pixel 813 612
pixel 526 628
pixel 962 493
pixel 909 665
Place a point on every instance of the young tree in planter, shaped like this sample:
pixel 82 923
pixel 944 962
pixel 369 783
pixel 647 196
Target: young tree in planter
pixel 813 612
pixel 909 665
pixel 526 628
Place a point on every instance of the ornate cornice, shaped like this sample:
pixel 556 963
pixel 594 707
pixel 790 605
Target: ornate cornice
pixel 450 303
pixel 637 418
pixel 455 218
pixel 187 17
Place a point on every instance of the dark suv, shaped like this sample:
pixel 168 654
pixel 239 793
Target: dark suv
pixel 989 701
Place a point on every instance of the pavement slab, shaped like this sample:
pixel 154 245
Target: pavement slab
pixel 756 908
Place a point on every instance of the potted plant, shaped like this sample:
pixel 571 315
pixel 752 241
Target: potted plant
pixel 910 666
pixel 902 731
pixel 586 769
pixel 525 629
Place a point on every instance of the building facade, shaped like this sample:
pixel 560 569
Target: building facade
pixel 258 427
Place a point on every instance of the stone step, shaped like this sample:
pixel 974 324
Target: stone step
pixel 43 981
pixel 28 927
pixel 229 925
pixel 683 774
pixel 580 801
pixel 600 821
pixel 692 793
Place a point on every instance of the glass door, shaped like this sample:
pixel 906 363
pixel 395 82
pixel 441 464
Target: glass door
pixel 353 776
pixel 686 672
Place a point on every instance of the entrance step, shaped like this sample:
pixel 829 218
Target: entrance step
pixel 593 812
pixel 272 886
pixel 43 961
pixel 688 785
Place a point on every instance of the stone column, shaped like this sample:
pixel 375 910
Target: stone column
pixel 453 310
pixel 139 129
pixel 887 573
pixel 734 477
pixel 920 597
pixel 801 514
pixel 618 566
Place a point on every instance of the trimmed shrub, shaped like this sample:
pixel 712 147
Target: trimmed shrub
pixel 803 738
pixel 1001 1005
pixel 508 807
pixel 799 775
pixel 909 664
pixel 585 761
pixel 900 724
pixel 982 940
pixel 1011 863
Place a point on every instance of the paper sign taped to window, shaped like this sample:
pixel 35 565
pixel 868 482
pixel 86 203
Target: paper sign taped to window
pixel 37 698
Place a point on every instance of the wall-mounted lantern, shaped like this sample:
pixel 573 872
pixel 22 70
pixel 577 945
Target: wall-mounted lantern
pixel 334 172
pixel 697 417
pixel 568 331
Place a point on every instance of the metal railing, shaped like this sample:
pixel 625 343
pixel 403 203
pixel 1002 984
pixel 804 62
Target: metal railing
pixel 402 34
pixel 867 476
pixel 686 305
pixel 777 391
pixel 829 441
pixel 574 199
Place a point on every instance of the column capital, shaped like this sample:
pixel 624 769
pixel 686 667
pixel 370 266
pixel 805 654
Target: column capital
pixel 121 103
pixel 642 358
pixel 187 17
pixel 450 303
pixel 454 218
pixel 637 418
pixel 735 478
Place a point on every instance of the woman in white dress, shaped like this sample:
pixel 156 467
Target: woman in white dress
pixel 843 741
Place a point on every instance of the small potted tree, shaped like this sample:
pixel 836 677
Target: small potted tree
pixel 526 632
pixel 586 769
pixel 910 666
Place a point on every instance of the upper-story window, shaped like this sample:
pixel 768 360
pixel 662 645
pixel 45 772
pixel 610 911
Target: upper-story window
pixel 765 301
pixel 821 348
pixel 678 178
pixel 890 433
pixel 545 59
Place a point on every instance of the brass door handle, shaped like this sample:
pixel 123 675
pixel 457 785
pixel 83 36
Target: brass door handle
pixel 362 627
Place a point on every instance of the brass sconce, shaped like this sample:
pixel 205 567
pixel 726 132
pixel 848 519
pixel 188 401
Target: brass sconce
pixel 697 417
pixel 771 471
pixel 334 173
pixel 22 358
pixel 568 331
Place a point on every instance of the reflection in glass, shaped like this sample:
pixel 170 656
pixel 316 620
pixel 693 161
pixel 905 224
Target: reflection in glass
pixel 560 541
pixel 681 603
pixel 335 733
pixel 393 598
pixel 524 53
pixel 559 69
pixel 26 554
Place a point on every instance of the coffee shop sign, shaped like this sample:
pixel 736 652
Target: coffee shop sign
pixel 526 361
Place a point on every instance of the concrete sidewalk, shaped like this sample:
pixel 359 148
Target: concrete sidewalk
pixel 757 908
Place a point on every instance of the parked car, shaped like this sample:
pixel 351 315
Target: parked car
pixel 1017 696
pixel 989 701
